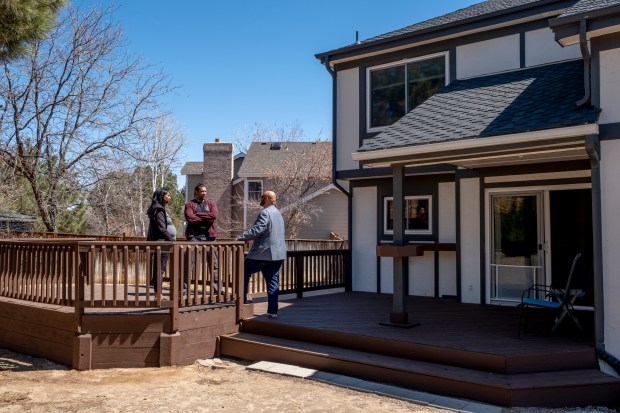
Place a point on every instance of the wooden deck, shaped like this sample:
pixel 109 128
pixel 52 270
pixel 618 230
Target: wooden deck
pixel 462 350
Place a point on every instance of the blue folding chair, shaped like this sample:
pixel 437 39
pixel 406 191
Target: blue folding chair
pixel 560 300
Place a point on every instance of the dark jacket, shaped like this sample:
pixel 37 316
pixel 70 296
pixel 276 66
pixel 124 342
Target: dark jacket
pixel 158 228
pixel 200 223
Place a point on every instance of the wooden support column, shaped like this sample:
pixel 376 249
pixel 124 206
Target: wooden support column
pixel 169 349
pixel 82 352
pixel 399 316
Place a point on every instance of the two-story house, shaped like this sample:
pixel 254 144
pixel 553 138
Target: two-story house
pixel 496 129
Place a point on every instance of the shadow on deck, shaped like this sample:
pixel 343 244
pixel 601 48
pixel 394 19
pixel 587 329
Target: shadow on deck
pixel 461 350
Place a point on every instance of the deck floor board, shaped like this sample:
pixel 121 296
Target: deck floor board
pixel 443 323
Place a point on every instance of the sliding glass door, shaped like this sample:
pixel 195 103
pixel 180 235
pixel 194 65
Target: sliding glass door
pixel 517 256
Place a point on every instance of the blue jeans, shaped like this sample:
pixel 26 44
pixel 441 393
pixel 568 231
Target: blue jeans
pixel 270 270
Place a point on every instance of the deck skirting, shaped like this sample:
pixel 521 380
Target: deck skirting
pixel 115 339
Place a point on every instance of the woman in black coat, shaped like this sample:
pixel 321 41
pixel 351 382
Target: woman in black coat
pixel 161 228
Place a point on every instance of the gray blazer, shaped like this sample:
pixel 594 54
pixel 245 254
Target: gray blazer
pixel 268 235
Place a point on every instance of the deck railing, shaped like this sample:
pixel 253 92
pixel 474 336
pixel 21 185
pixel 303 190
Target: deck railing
pixel 305 271
pixel 88 273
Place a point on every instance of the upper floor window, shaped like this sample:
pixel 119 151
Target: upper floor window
pixel 395 89
pixel 255 190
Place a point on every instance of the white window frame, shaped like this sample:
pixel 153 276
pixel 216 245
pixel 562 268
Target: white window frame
pixel 247 191
pixel 393 64
pixel 386 211
pixel 246 198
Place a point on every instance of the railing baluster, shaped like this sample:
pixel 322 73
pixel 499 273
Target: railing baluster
pixel 126 275
pixel 136 278
pixel 91 274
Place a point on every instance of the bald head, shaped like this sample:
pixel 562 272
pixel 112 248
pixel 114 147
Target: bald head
pixel 268 198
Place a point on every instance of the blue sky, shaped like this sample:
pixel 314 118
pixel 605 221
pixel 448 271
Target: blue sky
pixel 241 62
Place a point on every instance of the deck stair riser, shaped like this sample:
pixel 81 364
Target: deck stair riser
pixel 581 387
pixel 514 364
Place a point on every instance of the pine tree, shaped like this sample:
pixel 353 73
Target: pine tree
pixel 23 22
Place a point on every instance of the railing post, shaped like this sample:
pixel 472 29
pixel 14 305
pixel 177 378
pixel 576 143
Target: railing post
pixel 79 275
pixel 299 275
pixel 175 283
pixel 239 281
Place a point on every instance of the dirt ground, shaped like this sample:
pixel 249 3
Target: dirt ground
pixel 29 384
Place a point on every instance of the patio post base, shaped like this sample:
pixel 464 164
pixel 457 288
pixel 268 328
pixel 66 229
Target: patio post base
pixel 399 320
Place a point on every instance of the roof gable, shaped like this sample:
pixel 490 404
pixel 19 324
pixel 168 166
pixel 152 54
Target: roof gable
pixel 512 102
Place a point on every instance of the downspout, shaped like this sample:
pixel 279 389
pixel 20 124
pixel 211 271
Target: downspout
pixel 593 150
pixel 585 53
pixel 332 73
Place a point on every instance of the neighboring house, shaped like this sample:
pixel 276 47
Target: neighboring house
pixel 236 184
pixel 496 129
pixel 13 221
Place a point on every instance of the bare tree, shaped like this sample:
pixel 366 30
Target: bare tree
pixel 158 148
pixel 260 132
pixel 79 94
pixel 302 169
pixel 295 180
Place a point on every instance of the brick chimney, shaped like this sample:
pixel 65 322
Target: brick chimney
pixel 217 175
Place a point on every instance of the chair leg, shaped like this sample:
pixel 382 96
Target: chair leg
pixel 566 312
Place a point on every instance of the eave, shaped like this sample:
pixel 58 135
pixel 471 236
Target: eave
pixel 599 23
pixel 560 144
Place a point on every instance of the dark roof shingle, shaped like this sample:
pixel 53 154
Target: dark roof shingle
pixel 518 101
pixel 476 11
pixel 191 168
pixel 261 159
pixel 587 6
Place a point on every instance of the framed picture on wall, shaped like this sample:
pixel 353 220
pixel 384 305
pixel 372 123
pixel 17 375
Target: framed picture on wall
pixel 418 215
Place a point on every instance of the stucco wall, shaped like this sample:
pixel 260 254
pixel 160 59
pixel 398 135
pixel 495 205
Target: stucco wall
pixel 447 233
pixel 610 171
pixel 347 128
pixel 541 48
pixel 364 239
pixel 610 91
pixel 488 56
pixel 470 240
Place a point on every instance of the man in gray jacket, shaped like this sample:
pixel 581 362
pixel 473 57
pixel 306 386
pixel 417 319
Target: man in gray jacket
pixel 268 250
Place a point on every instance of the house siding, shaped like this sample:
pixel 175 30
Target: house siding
pixel 335 221
pixel 190 183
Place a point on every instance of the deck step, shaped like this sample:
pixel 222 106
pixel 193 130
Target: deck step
pixel 580 387
pixel 575 359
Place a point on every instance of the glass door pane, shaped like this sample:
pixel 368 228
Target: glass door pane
pixel 516 260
